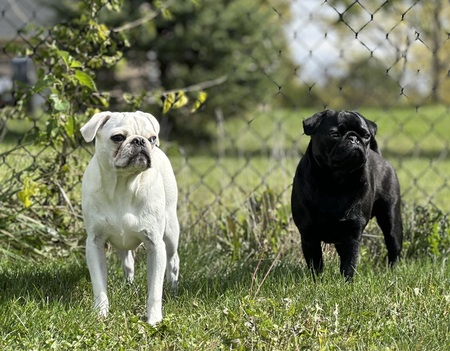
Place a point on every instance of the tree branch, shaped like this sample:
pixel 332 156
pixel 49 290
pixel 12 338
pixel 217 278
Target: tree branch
pixel 148 17
pixel 118 94
pixel 200 86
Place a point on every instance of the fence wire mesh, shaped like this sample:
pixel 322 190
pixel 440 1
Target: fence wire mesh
pixel 390 60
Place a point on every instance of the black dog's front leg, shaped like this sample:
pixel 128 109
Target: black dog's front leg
pixel 348 254
pixel 312 251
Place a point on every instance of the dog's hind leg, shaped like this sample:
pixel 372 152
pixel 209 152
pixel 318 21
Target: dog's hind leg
pixel 390 221
pixel 171 236
pixel 127 258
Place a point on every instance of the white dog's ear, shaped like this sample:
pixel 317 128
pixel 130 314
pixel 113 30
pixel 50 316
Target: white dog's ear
pixel 154 123
pixel 90 129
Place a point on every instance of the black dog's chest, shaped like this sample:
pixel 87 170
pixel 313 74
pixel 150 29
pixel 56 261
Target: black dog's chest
pixel 334 227
pixel 339 211
pixel 334 218
pixel 336 214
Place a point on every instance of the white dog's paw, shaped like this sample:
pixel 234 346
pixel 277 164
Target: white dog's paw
pixel 102 308
pixel 129 278
pixel 172 269
pixel 103 312
pixel 174 286
pixel 154 321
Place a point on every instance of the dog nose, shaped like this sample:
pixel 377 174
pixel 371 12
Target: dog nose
pixel 138 141
pixel 353 139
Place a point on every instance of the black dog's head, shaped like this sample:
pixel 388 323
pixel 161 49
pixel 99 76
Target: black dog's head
pixel 340 140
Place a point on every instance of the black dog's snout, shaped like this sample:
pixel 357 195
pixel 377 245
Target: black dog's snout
pixel 353 139
pixel 138 141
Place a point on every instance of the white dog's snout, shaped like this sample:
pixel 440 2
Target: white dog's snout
pixel 139 141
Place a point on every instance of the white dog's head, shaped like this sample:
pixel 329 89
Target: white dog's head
pixel 125 140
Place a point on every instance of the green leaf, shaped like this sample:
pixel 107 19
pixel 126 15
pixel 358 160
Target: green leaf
pixel 29 190
pixel 174 100
pixel 201 98
pixel 180 100
pixel 59 104
pixel 115 5
pixel 51 126
pixel 64 55
pixel 167 14
pixel 168 101
pixel 43 83
pixel 103 99
pixel 70 126
pixel 76 64
pixel 85 80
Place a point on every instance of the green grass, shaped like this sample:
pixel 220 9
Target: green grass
pixel 47 305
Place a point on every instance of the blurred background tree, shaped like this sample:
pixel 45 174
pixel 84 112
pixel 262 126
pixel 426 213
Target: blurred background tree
pixel 236 46
pixel 409 37
pixel 368 81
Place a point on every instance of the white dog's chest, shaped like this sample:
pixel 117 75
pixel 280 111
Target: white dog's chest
pixel 127 225
pixel 124 231
pixel 124 211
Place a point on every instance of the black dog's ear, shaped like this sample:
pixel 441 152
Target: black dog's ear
pixel 373 128
pixel 311 124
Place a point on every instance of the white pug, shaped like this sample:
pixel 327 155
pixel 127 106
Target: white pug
pixel 129 196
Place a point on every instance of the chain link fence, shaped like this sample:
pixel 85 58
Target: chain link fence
pixel 389 60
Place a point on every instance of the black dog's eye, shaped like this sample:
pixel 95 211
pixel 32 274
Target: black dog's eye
pixel 367 136
pixel 335 135
pixel 118 138
pixel 152 139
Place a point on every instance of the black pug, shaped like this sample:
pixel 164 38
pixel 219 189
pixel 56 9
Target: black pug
pixel 342 182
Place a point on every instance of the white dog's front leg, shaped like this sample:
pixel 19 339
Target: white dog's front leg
pixel 127 259
pixel 96 261
pixel 156 265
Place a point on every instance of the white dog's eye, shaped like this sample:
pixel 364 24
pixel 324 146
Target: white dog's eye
pixel 152 139
pixel 118 138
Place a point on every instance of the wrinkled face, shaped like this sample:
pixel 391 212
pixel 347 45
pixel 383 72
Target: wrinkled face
pixel 127 140
pixel 341 140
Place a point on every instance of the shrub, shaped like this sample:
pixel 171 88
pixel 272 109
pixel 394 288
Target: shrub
pixel 426 232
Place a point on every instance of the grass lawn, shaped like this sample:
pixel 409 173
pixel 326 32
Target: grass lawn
pixel 219 306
